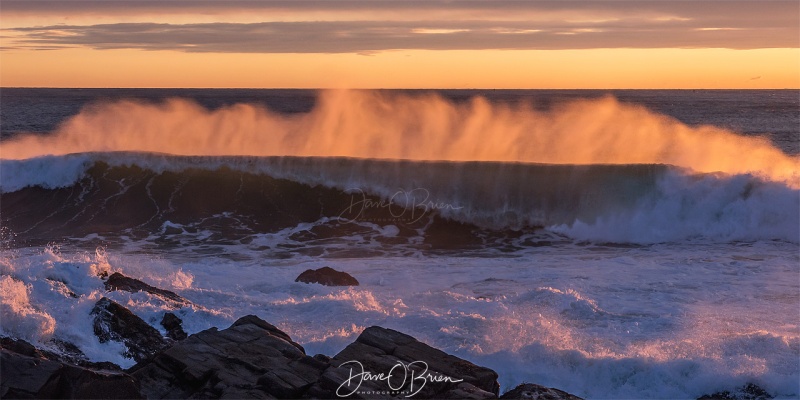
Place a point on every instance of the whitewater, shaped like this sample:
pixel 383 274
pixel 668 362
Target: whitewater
pixel 613 246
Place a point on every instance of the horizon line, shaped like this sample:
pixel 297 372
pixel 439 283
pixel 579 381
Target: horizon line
pixel 374 88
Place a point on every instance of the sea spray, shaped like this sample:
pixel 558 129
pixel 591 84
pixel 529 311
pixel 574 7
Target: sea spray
pixel 377 124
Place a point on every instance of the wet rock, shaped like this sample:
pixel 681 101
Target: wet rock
pixel 419 370
pixel 327 276
pixel 250 359
pixel 65 353
pixel 118 281
pixel 23 376
pixel 174 326
pixel 113 322
pixel 747 392
pixel 538 392
pixel 22 347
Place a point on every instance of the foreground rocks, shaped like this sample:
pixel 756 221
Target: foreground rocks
pixel 27 373
pixel 117 281
pixel 417 369
pixel 327 276
pixel 254 359
pixel 174 326
pixel 113 322
pixel 251 359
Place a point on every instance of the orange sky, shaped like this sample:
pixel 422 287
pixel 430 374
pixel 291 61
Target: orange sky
pixel 436 45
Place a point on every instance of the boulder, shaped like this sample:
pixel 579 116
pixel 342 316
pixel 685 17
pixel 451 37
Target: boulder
pixel 174 326
pixel 537 392
pixel 117 281
pixel 113 322
pixel 30 376
pixel 416 369
pixel 250 359
pixel 327 276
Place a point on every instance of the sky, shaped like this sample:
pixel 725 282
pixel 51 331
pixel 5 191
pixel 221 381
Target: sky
pixel 400 44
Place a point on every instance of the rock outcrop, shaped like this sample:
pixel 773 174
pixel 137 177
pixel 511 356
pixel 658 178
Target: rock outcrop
pixel 25 372
pixel 251 359
pixel 254 359
pixel 117 281
pixel 174 326
pixel 327 276
pixel 113 322
pixel 415 368
pixel 537 392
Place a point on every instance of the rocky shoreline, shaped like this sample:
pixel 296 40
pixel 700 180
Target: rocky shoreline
pixel 253 359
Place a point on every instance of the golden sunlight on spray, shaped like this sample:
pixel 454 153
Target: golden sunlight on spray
pixel 373 124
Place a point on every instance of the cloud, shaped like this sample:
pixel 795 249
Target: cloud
pixel 319 27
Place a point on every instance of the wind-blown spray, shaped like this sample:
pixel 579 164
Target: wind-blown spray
pixel 375 124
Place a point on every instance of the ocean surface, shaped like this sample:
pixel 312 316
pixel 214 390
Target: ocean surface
pixel 612 244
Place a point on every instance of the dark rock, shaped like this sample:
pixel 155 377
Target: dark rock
pixel 173 326
pixel 67 353
pixel 20 346
pixel 746 392
pixel 430 373
pixel 23 376
pixel 250 359
pixel 327 276
pixel 272 329
pixel 255 359
pixel 322 358
pixel 118 281
pixel 62 287
pixel 537 392
pixel 115 322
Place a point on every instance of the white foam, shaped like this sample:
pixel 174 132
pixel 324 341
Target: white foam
pixel 709 207
pixel 20 318
pixel 49 172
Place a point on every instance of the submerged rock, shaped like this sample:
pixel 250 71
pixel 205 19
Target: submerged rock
pixel 113 322
pixel 118 281
pixel 417 369
pixel 537 392
pixel 327 276
pixel 25 373
pixel 250 359
pixel 174 326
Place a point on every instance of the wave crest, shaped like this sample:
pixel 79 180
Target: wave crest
pixel 377 124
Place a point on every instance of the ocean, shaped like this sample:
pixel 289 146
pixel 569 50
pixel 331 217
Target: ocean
pixel 612 244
